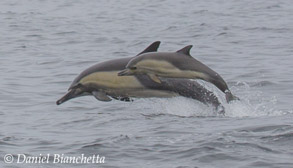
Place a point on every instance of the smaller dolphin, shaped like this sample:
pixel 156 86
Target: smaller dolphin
pixel 179 64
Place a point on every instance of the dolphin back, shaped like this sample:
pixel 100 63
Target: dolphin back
pixel 112 65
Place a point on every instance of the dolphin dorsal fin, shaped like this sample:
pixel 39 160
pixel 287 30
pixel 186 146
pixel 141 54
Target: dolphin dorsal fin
pixel 151 48
pixel 185 50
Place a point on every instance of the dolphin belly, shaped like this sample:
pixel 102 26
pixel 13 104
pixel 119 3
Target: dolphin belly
pixel 141 93
pixel 109 79
pixel 126 86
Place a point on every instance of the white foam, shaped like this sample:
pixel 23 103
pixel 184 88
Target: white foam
pixel 252 104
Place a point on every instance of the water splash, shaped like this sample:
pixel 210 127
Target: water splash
pixel 182 106
pixel 253 103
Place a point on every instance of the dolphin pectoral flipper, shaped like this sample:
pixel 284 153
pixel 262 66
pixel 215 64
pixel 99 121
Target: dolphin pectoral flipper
pixel 101 96
pixel 155 78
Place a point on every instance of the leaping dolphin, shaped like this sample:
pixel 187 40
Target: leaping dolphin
pixel 101 81
pixel 179 64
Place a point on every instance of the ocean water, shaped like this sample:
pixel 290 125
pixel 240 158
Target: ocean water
pixel 44 45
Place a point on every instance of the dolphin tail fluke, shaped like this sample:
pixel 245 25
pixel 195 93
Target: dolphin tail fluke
pixel 230 97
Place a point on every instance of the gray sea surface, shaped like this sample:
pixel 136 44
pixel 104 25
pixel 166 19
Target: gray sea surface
pixel 45 44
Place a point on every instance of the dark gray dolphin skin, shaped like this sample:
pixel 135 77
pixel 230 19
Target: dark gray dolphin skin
pixel 178 64
pixel 101 81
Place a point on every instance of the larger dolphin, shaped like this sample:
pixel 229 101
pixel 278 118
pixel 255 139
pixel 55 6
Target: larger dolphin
pixel 179 64
pixel 101 81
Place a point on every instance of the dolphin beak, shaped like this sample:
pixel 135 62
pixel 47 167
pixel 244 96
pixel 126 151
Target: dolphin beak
pixel 125 72
pixel 69 95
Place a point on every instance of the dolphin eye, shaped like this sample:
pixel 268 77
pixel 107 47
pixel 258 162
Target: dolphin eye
pixel 79 85
pixel 133 68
